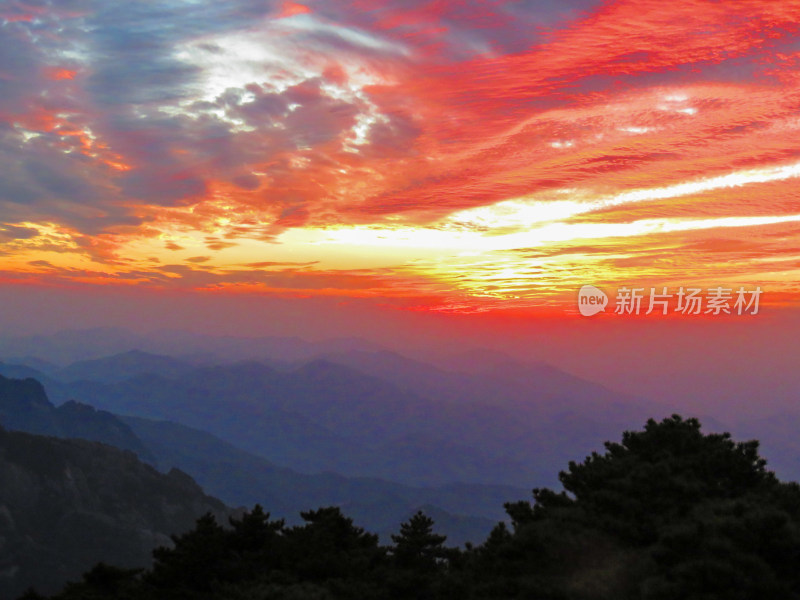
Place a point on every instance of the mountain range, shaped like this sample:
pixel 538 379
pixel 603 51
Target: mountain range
pixel 467 511
pixel 359 413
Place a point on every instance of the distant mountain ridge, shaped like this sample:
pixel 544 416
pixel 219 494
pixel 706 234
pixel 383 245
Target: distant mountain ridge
pixel 318 417
pixel 120 367
pixel 489 378
pixel 24 406
pixel 374 414
pixel 70 346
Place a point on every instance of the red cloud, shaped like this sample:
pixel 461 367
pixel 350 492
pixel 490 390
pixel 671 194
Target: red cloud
pixel 57 73
pixel 289 9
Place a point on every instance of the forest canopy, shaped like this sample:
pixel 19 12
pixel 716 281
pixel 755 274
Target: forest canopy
pixel 668 512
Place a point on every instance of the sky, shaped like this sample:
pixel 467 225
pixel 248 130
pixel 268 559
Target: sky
pixel 374 160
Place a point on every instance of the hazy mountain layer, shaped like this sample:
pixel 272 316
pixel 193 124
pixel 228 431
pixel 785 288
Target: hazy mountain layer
pixel 381 415
pixel 466 512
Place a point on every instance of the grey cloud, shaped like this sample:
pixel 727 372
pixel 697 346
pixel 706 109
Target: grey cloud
pixel 40 263
pixel 13 232
pixel 41 182
pixel 133 44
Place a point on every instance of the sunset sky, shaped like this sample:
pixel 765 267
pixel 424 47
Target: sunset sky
pixel 455 157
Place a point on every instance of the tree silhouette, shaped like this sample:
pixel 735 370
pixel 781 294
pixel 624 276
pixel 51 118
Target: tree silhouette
pixel 195 564
pixel 667 513
pixel 417 547
pixel 418 558
pixel 255 545
pixel 670 512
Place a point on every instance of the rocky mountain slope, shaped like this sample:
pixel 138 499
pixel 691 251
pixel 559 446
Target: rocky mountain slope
pixel 65 504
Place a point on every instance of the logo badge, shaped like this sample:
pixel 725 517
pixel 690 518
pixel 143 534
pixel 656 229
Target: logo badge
pixel 591 300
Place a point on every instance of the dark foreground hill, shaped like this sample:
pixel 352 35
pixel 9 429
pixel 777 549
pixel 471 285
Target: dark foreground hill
pixel 65 504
